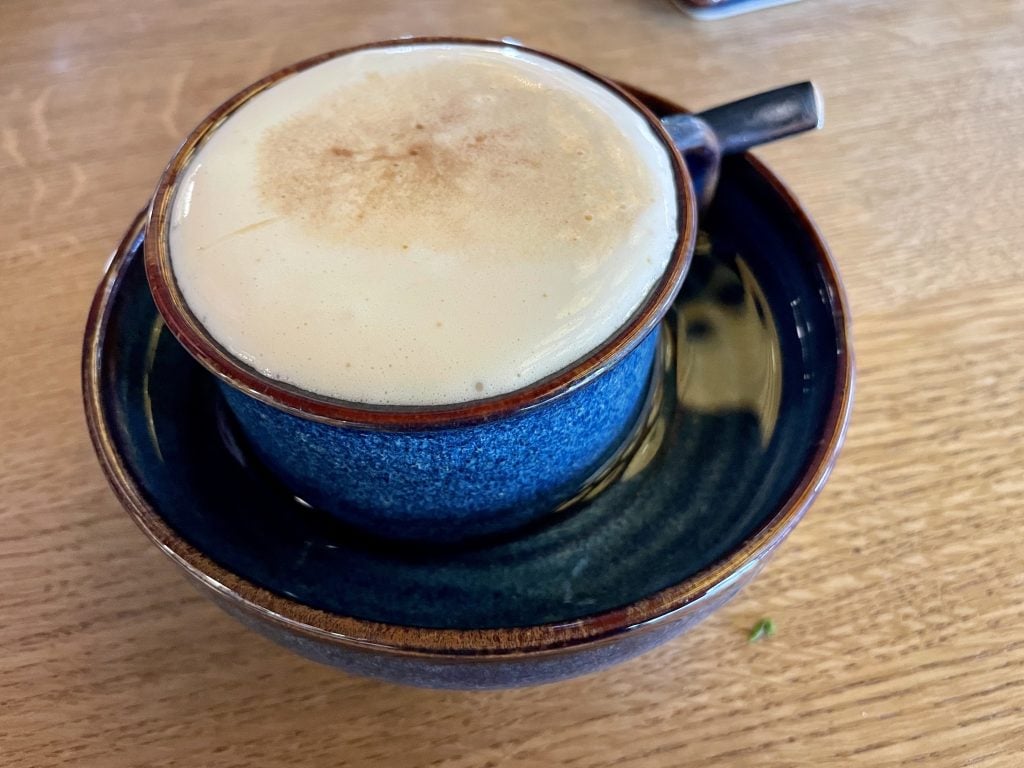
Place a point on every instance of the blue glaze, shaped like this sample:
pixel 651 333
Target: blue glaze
pixel 448 484
pixel 718 474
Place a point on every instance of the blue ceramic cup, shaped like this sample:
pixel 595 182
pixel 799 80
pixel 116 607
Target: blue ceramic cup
pixel 445 473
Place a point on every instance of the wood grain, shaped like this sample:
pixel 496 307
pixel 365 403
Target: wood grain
pixel 899 600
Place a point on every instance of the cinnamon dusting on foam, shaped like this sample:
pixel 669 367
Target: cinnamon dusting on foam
pixel 478 161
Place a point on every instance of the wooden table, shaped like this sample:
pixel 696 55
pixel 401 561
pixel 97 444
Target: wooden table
pixel 899 600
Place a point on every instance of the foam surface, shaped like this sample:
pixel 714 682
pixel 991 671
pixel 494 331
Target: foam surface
pixel 423 224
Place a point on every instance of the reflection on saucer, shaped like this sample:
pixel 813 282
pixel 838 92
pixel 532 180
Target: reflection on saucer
pixel 727 344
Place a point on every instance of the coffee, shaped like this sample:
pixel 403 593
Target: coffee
pixel 423 224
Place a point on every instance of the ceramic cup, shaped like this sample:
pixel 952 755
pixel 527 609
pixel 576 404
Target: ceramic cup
pixel 444 473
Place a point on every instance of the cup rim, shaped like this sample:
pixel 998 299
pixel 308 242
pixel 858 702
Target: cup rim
pixel 191 333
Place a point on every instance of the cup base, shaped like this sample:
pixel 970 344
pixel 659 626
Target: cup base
pixel 627 457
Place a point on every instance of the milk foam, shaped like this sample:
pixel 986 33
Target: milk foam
pixel 423 224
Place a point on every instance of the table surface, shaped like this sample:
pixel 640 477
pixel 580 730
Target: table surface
pixel 900 598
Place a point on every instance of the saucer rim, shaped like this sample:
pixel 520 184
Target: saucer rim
pixel 664 606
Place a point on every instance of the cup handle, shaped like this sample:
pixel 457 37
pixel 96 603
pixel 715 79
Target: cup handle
pixel 704 138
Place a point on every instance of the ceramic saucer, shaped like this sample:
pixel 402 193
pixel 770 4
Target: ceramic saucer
pixel 755 396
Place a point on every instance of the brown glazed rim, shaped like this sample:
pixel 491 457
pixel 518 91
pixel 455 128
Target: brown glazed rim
pixel 215 358
pixel 664 606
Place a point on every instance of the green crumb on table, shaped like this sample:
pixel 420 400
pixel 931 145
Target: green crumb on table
pixel 764 628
